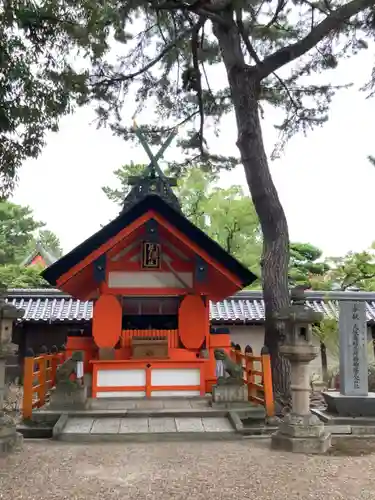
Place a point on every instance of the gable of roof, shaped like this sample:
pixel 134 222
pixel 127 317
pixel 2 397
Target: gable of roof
pixel 157 204
pixel 53 306
pixel 47 256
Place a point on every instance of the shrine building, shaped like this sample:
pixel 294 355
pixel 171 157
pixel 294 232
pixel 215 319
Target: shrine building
pixel 150 274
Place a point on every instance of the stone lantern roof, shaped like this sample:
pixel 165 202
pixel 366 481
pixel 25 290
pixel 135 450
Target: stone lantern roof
pixel 7 310
pixel 298 311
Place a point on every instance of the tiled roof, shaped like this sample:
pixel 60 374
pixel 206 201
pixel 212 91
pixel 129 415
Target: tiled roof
pixel 49 305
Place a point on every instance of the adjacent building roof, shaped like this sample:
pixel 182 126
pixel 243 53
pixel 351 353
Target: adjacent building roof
pixel 47 256
pixel 159 205
pixel 53 306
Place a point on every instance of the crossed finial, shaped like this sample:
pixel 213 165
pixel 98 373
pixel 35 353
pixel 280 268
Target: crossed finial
pixel 154 168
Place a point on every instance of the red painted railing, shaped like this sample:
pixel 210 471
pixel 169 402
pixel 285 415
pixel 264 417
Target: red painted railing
pixel 257 377
pixel 39 378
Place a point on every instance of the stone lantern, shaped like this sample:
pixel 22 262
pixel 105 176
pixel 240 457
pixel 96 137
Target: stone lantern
pixel 8 314
pixel 300 430
pixel 9 438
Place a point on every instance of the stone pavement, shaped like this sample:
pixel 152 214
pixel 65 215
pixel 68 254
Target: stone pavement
pixel 146 425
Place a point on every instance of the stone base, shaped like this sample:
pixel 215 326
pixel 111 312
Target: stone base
pixel 306 445
pixel 106 353
pixel 87 382
pixel 229 394
pixel 301 434
pixel 350 406
pixel 10 439
pixel 68 398
pixel 331 419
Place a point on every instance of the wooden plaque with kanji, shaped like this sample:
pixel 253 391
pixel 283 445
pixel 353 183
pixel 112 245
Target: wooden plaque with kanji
pixel 151 255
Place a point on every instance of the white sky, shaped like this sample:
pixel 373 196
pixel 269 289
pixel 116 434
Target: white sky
pixel 324 181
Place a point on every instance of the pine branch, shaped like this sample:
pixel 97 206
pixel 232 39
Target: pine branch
pixel 245 38
pixel 211 12
pixel 280 6
pixel 122 78
pixel 291 52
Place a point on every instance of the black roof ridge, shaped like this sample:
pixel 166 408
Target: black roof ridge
pixel 244 294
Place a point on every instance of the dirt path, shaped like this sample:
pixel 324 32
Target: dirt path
pixel 47 470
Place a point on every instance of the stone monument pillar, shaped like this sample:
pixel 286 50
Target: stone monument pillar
pixel 300 431
pixel 9 437
pixel 353 399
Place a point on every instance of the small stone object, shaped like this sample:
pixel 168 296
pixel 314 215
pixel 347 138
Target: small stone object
pixel 10 439
pixel 74 399
pixel 232 369
pixel 229 394
pixel 68 394
pixel 67 369
pixel 230 389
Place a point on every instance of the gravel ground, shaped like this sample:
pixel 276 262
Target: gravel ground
pixel 175 471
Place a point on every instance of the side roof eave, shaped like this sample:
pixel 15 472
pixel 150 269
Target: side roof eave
pixel 65 263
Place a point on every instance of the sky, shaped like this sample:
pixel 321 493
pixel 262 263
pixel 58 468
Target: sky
pixel 324 180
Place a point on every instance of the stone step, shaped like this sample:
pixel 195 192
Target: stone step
pixel 35 431
pixel 130 429
pixel 258 430
pixel 46 415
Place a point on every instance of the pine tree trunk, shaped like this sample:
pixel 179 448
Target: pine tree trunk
pixel 275 258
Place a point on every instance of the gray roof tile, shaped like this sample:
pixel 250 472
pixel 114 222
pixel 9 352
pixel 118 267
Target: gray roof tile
pixel 49 305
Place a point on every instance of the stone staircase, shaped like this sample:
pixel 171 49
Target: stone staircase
pixel 143 428
pixel 150 420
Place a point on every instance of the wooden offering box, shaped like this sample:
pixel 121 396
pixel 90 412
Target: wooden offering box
pixel 149 347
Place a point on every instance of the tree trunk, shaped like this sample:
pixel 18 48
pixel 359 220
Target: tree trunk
pixel 275 258
pixel 323 356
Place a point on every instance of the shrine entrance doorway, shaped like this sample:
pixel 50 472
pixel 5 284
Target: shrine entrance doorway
pixel 150 313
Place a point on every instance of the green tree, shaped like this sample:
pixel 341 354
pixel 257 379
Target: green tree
pixel 353 270
pixel 50 242
pixel 233 223
pixel 16 276
pixel 194 190
pixel 122 175
pixel 327 333
pixel 17 229
pixel 39 83
pixel 19 232
pixel 305 265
